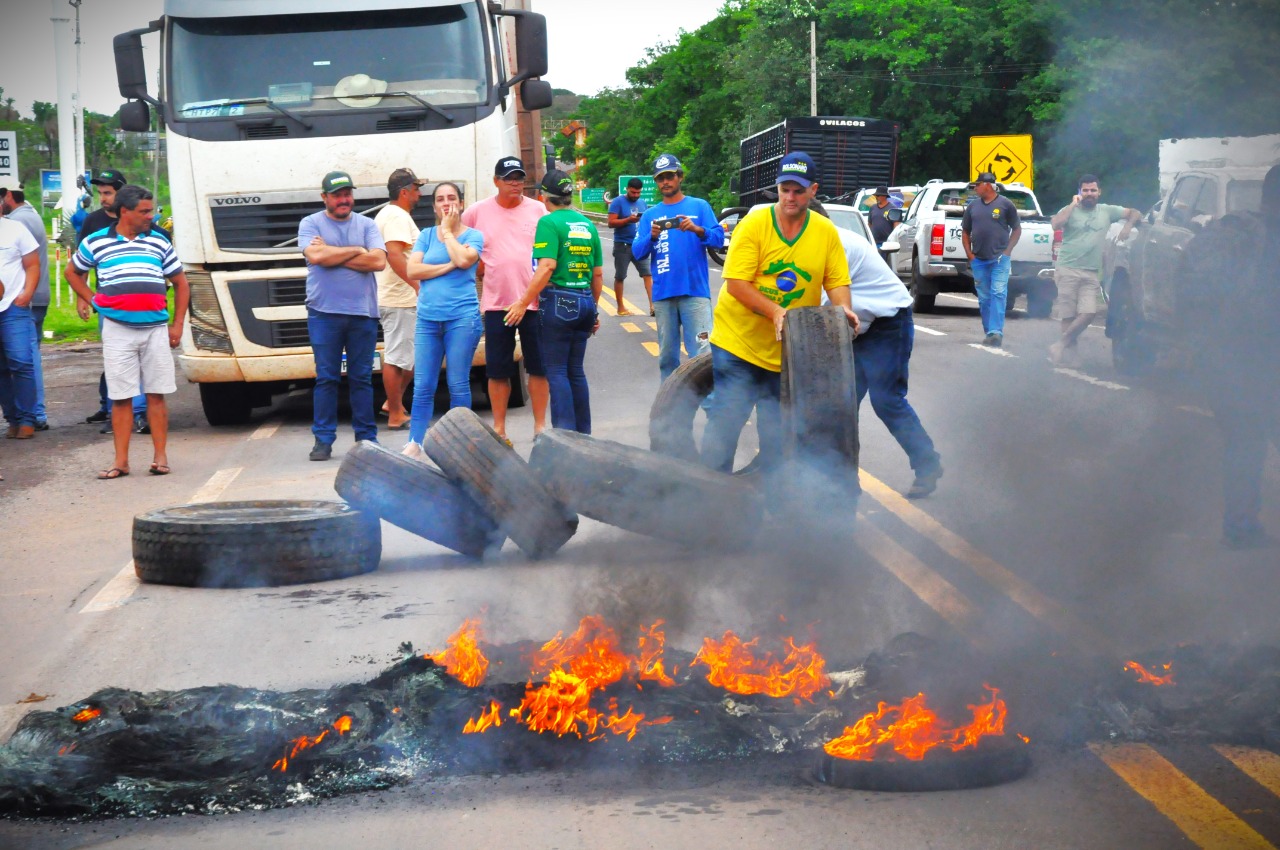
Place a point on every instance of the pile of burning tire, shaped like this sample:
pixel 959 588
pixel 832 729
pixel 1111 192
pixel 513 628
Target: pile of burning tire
pixel 477 491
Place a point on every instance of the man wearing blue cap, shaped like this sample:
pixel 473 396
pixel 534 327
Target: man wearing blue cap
pixel 782 257
pixel 677 233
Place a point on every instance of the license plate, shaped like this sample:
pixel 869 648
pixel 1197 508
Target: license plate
pixel 377 362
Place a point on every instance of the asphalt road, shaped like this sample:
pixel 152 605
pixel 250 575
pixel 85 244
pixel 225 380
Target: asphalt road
pixel 1079 514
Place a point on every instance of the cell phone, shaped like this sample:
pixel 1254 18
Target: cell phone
pixel 666 223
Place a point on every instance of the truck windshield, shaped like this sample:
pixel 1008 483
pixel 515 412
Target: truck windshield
pixel 327 62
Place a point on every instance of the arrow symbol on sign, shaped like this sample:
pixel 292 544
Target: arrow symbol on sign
pixel 1010 174
pixel 1002 158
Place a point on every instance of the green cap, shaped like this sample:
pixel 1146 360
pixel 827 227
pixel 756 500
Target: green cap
pixel 335 180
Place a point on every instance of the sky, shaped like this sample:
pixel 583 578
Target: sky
pixel 591 46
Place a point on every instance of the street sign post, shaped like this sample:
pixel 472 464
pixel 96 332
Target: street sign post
pixel 1007 157
pixel 593 196
pixel 8 156
pixel 51 185
pixel 649 191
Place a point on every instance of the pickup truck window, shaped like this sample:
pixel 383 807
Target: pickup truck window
pixel 1192 197
pixel 962 197
pixel 225 67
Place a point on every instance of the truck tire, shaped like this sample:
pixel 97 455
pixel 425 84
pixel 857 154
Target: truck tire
pixel 647 493
pixel 1040 297
pixel 717 254
pixel 820 420
pixel 1131 354
pixel 499 480
pixel 226 404
pixel 417 497
pixel 922 289
pixel 254 544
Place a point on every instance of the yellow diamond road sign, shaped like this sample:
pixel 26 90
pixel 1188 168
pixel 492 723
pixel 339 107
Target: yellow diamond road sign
pixel 1007 157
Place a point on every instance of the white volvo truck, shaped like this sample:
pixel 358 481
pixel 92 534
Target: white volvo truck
pixel 260 98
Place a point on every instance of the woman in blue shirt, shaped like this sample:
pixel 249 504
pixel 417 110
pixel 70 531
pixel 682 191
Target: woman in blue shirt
pixel 449 324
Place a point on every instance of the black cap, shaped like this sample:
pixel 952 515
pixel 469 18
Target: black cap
pixel 557 184
pixel 402 178
pixel 507 166
pixel 109 177
pixel 881 190
pixel 985 177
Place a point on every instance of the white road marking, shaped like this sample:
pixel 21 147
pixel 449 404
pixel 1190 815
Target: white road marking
pixel 970 298
pixel 266 430
pixel 929 331
pixel 214 486
pixel 1089 379
pixel 1000 352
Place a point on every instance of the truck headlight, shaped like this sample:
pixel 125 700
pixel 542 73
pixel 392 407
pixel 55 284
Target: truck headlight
pixel 208 327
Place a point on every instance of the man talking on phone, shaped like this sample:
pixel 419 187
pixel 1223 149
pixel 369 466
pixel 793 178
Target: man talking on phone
pixel 624 212
pixel 677 233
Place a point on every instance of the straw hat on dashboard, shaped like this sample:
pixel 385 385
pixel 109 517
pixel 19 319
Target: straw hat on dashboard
pixel 359 90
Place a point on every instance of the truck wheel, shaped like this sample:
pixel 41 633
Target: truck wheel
pixel 519 387
pixel 717 254
pixel 820 420
pixel 226 404
pixel 920 288
pixel 254 544
pixel 1131 354
pixel 1040 297
pixel 416 497
pixel 645 492
pixel 499 480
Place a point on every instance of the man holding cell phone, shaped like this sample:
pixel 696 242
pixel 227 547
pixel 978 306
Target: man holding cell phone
pixel 624 213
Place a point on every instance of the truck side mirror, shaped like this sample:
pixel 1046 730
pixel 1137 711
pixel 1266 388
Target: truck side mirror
pixel 894 215
pixel 531 45
pixel 135 117
pixel 131 70
pixel 536 94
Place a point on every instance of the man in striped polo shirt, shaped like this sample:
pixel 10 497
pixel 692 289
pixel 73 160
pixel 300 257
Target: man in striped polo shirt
pixel 133 263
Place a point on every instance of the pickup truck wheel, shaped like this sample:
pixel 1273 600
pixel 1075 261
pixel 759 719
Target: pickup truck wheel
pixel 226 404
pixel 499 480
pixel 924 300
pixel 1131 354
pixel 1040 297
pixel 717 254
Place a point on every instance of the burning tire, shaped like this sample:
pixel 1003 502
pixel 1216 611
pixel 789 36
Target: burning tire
pixel 992 762
pixel 820 416
pixel 676 404
pixel 416 497
pixel 499 480
pixel 254 544
pixel 644 492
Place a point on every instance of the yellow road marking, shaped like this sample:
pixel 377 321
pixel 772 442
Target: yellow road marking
pixel 633 308
pixel 607 307
pixel 1262 766
pixel 266 430
pixel 631 328
pixel 653 326
pixel 220 481
pixel 1203 819
pixel 938 593
pixel 994 573
pixel 651 347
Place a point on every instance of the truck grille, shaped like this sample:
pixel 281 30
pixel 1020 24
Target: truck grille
pixel 289 334
pixel 281 333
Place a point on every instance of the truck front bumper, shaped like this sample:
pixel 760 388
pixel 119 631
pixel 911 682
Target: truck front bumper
pixel 217 370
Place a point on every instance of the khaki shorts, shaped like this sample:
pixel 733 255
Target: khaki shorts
pixel 1078 291
pixel 398 326
pixel 137 360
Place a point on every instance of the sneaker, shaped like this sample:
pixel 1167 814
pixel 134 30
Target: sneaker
pixel 140 425
pixel 106 427
pixel 995 340
pixel 925 483
pixel 100 416
pixel 42 426
pixel 989 339
pixel 321 451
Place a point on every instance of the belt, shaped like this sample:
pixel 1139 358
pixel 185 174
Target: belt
pixel 586 290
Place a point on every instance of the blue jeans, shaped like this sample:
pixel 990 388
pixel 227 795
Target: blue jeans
pixel 37 317
pixel 139 401
pixel 17 371
pixel 331 334
pixel 687 319
pixel 567 321
pixel 740 386
pixel 455 343
pixel 880 360
pixel 991 279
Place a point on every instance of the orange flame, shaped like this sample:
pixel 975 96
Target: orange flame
pixel 491 716
pixel 342 726
pixel 84 715
pixel 462 657
pixel 912 729
pixel 652 642
pixel 1148 678
pixel 735 668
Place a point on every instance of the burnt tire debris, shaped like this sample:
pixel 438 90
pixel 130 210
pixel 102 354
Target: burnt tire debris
pixel 254 543
pixel 417 497
pixel 647 493
pixel 994 761
pixel 498 479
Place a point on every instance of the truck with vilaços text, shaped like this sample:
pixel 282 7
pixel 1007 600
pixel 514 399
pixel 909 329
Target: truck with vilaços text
pixel 260 98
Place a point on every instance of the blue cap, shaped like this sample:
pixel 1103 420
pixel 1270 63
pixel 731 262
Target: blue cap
pixel 666 162
pixel 798 167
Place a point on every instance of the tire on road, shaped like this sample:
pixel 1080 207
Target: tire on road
pixel 820 420
pixel 417 497
pixel 645 492
pixel 922 289
pixel 226 404
pixel 1040 297
pixel 499 480
pixel 993 762
pixel 254 544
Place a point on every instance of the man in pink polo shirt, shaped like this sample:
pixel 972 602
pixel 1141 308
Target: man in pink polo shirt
pixel 508 221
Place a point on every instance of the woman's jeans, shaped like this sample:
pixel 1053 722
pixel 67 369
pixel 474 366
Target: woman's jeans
pixel 568 319
pixel 454 342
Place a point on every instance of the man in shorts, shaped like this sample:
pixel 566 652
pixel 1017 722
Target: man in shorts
pixel 508 221
pixel 134 262
pixel 1084 224
pixel 397 294
pixel 624 212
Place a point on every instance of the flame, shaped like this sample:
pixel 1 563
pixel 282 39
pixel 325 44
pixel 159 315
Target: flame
pixel 84 715
pixel 912 730
pixel 462 657
pixel 342 726
pixel 649 662
pixel 1148 678
pixel 491 716
pixel 735 668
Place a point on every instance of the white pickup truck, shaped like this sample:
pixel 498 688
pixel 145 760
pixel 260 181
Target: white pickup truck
pixel 931 253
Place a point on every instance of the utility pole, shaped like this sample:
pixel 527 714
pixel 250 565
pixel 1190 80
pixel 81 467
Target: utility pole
pixel 79 124
pixel 813 67
pixel 66 108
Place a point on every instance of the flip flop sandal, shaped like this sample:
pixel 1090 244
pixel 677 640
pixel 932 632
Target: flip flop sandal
pixel 112 474
pixel 159 469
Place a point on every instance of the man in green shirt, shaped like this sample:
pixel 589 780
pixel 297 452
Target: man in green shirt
pixel 567 287
pixel 1084 224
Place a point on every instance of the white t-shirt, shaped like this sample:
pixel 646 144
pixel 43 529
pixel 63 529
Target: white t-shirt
pixel 15 243
pixel 874 289
pixel 396 225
